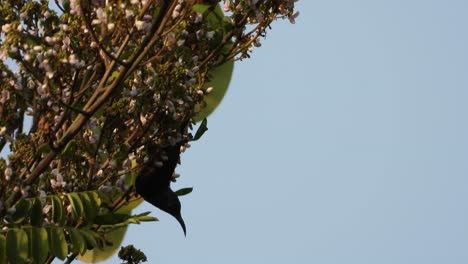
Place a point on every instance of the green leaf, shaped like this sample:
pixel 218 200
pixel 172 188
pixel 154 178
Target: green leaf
pixel 201 130
pixel 3 250
pixel 143 217
pixel 130 205
pixel 200 8
pixel 17 246
pixel 66 6
pixel 111 219
pixel 78 243
pixel 98 255
pixel 91 203
pixel 220 79
pixel 57 210
pixel 38 244
pixel 44 148
pixel 89 238
pixel 135 219
pixel 215 19
pixel 23 206
pixel 70 145
pixel 113 76
pixel 77 205
pixel 183 191
pixel 36 213
pixel 147 218
pixel 94 197
pixel 57 242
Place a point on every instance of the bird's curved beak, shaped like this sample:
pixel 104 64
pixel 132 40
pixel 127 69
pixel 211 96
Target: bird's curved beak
pixel 182 223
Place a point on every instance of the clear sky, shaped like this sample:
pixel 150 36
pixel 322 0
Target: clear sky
pixel 343 140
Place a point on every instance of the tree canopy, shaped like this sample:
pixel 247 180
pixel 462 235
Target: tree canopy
pixel 87 87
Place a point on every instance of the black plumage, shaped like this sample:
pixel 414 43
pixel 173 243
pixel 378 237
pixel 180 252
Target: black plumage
pixel 153 180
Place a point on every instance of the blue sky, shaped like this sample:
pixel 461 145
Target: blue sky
pixel 343 140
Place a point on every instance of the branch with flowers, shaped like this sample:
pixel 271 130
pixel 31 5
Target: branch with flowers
pixel 86 86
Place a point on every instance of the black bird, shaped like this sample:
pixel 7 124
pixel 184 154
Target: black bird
pixel 153 180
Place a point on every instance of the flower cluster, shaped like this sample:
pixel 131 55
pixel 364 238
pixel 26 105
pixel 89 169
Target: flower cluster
pixel 98 80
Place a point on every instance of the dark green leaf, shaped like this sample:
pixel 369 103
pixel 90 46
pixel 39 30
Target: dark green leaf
pixel 94 196
pixel 70 145
pixel 77 205
pixel 78 243
pixel 111 219
pixel 36 213
pixel 3 250
pixel 90 205
pixel 22 208
pixel 38 244
pixel 44 148
pixel 98 255
pixel 183 191
pixel 89 238
pixel 201 130
pixel 215 17
pixel 17 246
pixel 66 6
pixel 57 210
pixel 57 243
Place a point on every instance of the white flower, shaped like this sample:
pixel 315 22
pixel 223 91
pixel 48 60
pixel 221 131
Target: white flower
pixel 141 25
pixel 176 11
pixel 58 182
pixel 8 173
pixel 134 91
pixel 170 39
pixel 3 54
pixel 101 15
pixel 64 27
pixel 189 73
pixel 128 13
pixel 143 119
pixel 5 96
pixel 27 57
pixel 210 34
pixel 226 7
pixel 66 42
pixel 292 18
pixel 180 42
pixel 73 59
pixel 46 209
pixel 198 18
pixel 6 28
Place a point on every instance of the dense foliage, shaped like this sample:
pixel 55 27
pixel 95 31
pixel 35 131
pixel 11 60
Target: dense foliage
pixel 85 86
